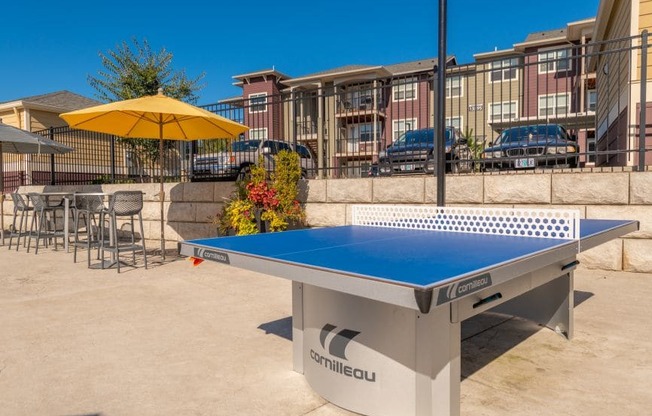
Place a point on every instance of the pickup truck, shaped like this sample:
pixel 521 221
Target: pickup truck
pixel 236 162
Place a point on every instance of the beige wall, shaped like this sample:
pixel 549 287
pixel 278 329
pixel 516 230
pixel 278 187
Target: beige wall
pixel 43 119
pixel 612 195
pixel 645 23
pixel 9 117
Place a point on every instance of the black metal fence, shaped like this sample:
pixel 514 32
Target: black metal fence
pixel 381 123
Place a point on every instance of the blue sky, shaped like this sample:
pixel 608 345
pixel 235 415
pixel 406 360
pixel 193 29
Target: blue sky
pixel 52 46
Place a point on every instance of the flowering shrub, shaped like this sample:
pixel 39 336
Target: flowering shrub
pixel 260 201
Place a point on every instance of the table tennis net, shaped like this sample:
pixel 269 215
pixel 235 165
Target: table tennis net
pixel 537 223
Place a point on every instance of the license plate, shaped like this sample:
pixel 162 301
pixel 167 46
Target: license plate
pixel 525 163
pixel 407 167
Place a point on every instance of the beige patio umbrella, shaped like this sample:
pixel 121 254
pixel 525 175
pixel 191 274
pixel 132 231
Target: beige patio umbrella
pixel 19 141
pixel 155 117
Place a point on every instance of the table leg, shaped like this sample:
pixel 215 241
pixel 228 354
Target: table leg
pixel 375 358
pixel 550 304
pixel 438 364
pixel 297 326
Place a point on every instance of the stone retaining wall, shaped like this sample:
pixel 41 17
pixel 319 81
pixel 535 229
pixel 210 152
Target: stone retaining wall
pixel 615 195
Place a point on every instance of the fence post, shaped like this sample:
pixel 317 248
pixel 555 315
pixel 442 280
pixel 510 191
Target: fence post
pixel 643 103
pixel 112 156
pixel 53 180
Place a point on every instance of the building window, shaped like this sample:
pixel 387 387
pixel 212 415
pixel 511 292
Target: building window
pixel 504 70
pixel 405 89
pixel 553 105
pixel 554 61
pixel 453 87
pixel 258 103
pixel 258 134
pixel 364 132
pixel 401 126
pixel 590 146
pixel 505 111
pixel 454 122
pixel 591 100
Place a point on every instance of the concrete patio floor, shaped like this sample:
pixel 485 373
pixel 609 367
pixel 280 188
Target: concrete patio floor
pixel 214 340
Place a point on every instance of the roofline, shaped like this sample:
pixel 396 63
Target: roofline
pixel 581 22
pixel 576 28
pixel 263 72
pixel 450 59
pixel 32 106
pixel 496 53
pixel 334 74
pixel 601 20
pixel 539 42
pixel 231 100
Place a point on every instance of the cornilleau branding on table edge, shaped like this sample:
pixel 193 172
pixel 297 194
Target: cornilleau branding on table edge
pixel 337 348
pixel 463 288
pixel 213 255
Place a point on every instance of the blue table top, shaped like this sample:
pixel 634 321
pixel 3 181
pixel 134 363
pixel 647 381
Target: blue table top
pixel 411 257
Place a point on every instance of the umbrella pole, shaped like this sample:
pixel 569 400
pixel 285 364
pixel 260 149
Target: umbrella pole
pixel 161 191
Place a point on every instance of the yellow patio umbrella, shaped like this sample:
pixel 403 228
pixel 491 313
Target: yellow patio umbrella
pixel 155 117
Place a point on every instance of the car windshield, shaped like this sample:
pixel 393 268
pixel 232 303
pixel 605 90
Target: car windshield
pixel 528 133
pixel 421 136
pixel 245 145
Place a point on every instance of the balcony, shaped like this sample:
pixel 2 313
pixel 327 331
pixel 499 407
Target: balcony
pixel 359 105
pixel 358 148
pixel 306 130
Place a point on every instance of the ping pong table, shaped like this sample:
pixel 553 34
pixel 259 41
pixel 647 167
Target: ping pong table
pixel 377 305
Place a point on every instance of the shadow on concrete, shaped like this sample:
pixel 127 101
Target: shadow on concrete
pixel 489 335
pixel 280 327
pixel 581 296
pixel 485 337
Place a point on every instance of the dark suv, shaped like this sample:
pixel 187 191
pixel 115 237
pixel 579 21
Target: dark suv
pixel 541 145
pixel 414 151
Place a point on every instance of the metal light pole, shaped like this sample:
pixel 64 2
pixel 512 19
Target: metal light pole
pixel 440 109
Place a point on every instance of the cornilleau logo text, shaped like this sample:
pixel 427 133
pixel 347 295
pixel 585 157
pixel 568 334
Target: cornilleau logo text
pixel 337 348
pixel 463 288
pixel 212 255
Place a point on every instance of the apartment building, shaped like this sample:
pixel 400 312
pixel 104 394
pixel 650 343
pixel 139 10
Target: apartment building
pixel 617 59
pixel 543 79
pixel 346 114
pixel 584 76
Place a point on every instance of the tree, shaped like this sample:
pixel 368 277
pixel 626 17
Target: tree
pixel 476 146
pixel 135 70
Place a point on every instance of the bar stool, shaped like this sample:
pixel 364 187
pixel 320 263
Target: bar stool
pixel 40 218
pixel 22 206
pixel 87 206
pixel 123 204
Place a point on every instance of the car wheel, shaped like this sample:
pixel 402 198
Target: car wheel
pixel 455 166
pixel 244 173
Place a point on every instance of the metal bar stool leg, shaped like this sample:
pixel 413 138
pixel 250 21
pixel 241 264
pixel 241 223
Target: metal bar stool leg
pixel 142 238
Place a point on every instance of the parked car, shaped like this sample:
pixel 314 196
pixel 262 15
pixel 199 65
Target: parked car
pixel 414 152
pixel 541 145
pixel 236 162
